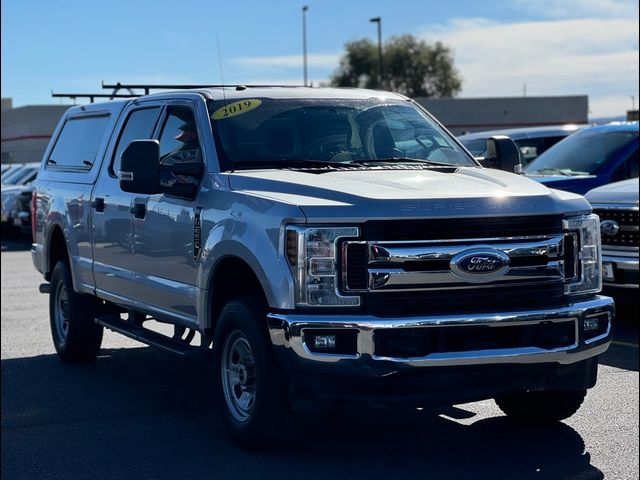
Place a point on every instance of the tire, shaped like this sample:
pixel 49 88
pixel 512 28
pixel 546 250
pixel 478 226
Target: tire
pixel 541 407
pixel 76 337
pixel 252 387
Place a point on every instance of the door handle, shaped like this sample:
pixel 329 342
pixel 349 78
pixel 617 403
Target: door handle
pixel 139 210
pixel 98 204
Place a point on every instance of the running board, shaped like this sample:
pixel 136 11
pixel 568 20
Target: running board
pixel 149 337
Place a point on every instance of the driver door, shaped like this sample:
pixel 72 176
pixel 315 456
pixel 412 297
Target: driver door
pixel 164 260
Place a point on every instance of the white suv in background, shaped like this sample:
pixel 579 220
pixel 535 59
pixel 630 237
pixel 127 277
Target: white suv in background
pixel 617 206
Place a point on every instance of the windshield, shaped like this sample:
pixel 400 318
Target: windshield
pixel 581 153
pixel 276 133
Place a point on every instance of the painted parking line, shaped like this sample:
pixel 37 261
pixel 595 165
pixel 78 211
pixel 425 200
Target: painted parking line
pixel 625 344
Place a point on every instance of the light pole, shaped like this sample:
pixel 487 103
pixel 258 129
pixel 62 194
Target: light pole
pixel 378 20
pixel 304 42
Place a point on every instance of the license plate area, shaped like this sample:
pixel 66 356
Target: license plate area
pixel 607 271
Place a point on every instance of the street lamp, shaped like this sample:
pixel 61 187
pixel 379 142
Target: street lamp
pixel 378 20
pixel 304 42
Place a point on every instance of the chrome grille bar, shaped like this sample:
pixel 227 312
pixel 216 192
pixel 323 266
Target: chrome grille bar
pixel 422 265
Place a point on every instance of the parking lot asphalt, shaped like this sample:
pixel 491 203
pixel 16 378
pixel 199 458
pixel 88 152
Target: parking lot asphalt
pixel 140 413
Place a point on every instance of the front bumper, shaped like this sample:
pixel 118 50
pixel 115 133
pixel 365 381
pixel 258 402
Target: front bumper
pixel 625 271
pixel 287 332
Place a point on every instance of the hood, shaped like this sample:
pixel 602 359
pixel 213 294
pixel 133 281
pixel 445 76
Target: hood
pixel 378 193
pixel 619 192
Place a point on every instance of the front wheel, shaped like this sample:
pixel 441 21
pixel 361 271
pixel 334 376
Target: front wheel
pixel 76 336
pixel 253 388
pixel 545 406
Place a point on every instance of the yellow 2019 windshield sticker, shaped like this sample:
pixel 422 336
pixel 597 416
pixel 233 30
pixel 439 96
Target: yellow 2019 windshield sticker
pixel 236 108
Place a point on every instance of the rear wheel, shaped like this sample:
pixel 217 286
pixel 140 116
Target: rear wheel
pixel 545 406
pixel 76 336
pixel 253 388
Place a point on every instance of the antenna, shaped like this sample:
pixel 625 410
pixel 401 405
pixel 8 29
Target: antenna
pixel 224 97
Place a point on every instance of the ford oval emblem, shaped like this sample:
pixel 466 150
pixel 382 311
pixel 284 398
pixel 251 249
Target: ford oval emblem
pixel 609 227
pixel 480 265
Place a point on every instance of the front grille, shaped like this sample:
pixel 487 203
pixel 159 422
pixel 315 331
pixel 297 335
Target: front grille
pixel 447 228
pixel 474 299
pixel 357 274
pixel 403 267
pixel 628 220
pixel 420 342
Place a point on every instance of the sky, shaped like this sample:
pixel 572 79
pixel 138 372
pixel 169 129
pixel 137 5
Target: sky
pixel 501 48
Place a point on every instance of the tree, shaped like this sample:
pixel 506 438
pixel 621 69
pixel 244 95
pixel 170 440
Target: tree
pixel 412 67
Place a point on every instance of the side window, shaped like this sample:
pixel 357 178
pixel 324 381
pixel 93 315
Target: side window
pixel 179 145
pixel 139 125
pixel 179 138
pixel 627 169
pixel 78 143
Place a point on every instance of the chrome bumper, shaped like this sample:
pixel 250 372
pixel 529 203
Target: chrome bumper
pixel 621 263
pixel 287 335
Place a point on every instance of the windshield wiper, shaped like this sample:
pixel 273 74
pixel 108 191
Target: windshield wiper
pixel 404 160
pixel 291 163
pixel 553 170
pixel 314 164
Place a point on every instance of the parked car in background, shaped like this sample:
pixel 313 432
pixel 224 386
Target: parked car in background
pixel 5 167
pixel 592 157
pixel 532 141
pixel 22 175
pixel 16 197
pixel 617 206
pixel 12 169
pixel 16 216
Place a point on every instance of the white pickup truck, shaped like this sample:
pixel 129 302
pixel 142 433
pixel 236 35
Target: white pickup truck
pixel 328 247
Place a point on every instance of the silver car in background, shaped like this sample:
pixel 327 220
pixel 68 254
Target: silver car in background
pixel 16 197
pixel 617 206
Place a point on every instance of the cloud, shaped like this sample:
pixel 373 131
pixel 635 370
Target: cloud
pixel 314 60
pixel 611 105
pixel 593 56
pixel 578 8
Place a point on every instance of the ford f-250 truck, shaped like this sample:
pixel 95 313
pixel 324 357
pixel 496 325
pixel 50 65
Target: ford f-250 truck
pixel 331 248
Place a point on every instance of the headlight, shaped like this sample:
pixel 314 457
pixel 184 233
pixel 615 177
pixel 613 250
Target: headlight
pixel 312 253
pixel 589 259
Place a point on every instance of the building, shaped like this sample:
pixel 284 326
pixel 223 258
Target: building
pixel 466 115
pixel 26 130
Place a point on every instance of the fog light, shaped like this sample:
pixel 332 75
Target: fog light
pixel 324 342
pixel 331 341
pixel 591 324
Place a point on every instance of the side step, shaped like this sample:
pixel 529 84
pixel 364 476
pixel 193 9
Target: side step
pixel 149 337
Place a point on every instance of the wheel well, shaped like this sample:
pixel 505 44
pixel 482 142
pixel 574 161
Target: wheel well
pixel 57 249
pixel 233 278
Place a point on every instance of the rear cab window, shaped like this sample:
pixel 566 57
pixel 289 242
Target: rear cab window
pixel 78 143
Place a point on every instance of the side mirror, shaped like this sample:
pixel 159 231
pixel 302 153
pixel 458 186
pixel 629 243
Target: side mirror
pixel 503 154
pixel 139 167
